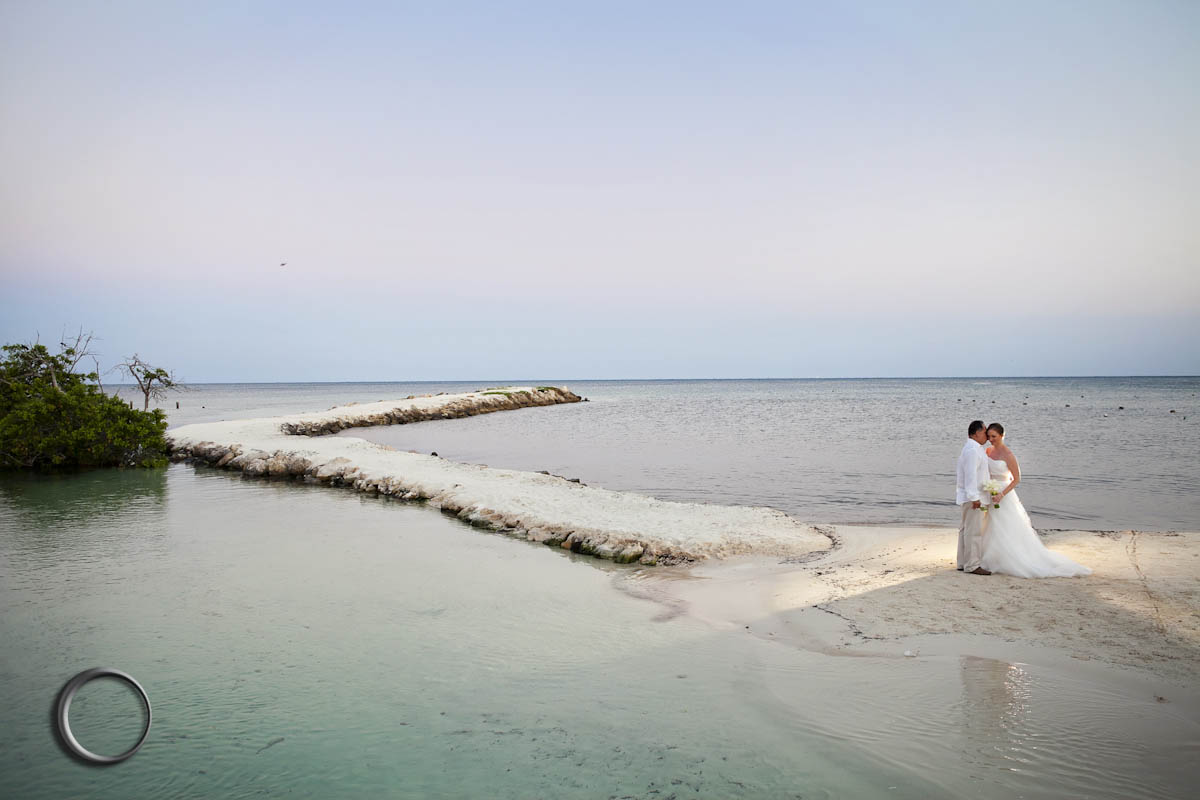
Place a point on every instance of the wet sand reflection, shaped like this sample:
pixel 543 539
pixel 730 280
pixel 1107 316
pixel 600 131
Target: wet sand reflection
pixel 996 707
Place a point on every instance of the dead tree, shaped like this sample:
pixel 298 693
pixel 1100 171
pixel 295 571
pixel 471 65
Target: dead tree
pixel 154 382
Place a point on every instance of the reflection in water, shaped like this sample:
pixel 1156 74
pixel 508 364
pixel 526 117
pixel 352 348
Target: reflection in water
pixel 78 517
pixel 46 501
pixel 1029 732
pixel 996 707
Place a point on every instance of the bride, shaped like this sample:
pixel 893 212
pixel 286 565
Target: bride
pixel 1011 546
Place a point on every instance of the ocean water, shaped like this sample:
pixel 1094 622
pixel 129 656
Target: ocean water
pixel 1096 453
pixel 300 641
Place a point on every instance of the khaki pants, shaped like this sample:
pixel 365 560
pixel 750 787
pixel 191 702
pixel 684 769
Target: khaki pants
pixel 970 537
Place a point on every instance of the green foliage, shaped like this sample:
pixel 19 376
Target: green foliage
pixel 52 416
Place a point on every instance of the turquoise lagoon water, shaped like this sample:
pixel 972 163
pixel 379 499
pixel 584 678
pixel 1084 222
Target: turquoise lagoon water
pixel 310 642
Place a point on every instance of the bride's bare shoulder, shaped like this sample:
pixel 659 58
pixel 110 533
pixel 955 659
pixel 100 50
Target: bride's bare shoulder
pixel 1004 453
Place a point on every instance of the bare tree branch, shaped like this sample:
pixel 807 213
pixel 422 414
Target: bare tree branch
pixel 154 382
pixel 75 351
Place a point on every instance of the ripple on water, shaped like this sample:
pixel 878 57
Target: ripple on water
pixel 1029 731
pixel 396 652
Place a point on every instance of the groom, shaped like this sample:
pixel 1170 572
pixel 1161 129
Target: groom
pixel 972 475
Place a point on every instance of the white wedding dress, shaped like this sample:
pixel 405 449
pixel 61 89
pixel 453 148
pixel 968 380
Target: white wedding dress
pixel 1010 544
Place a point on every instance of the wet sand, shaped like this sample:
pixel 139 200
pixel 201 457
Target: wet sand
pixel 892 591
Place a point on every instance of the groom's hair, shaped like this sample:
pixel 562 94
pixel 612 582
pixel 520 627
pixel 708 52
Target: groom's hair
pixel 975 426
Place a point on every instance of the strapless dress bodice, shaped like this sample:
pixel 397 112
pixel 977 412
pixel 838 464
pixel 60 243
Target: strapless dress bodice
pixel 998 468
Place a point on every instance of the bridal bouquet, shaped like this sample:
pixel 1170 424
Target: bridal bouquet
pixel 994 488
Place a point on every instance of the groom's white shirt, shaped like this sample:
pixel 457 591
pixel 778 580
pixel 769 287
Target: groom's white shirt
pixel 972 472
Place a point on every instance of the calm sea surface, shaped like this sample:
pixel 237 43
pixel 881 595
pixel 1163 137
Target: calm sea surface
pixel 307 642
pixel 1096 453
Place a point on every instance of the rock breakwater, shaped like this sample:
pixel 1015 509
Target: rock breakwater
pixel 484 401
pixel 621 526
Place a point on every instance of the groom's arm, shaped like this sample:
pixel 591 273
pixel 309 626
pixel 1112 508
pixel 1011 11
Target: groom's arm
pixel 966 476
pixel 981 476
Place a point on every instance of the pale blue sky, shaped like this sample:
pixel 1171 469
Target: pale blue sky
pixel 605 190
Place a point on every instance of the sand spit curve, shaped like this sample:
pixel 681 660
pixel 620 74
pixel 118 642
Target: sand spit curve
pixel 622 526
pixel 893 591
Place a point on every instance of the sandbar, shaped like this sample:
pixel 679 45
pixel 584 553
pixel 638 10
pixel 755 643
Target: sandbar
pixel 895 591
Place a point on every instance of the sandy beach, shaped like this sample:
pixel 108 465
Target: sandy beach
pixel 895 591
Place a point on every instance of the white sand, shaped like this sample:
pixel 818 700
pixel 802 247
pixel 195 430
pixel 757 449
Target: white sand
pixel 891 590
pixel 609 524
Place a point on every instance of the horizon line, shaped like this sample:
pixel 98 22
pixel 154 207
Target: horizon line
pixel 511 382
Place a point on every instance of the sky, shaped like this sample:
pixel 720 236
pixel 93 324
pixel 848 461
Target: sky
pixel 298 191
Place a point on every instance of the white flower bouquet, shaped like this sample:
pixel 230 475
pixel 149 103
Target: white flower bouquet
pixel 994 488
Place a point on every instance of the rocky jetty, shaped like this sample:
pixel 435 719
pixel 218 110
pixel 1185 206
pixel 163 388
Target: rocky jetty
pixel 452 407
pixel 621 526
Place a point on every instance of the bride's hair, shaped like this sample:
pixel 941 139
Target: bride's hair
pixel 997 427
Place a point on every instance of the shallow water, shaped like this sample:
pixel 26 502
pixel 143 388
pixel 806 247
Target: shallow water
pixel 315 642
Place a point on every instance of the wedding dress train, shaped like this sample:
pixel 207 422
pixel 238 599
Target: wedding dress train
pixel 1011 546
